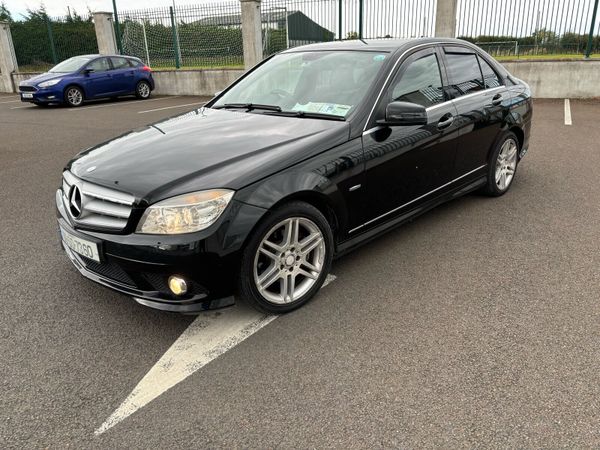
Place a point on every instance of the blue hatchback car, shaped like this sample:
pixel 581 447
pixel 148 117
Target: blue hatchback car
pixel 89 77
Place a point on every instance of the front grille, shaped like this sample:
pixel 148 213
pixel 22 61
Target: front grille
pixel 27 88
pixel 100 207
pixel 108 270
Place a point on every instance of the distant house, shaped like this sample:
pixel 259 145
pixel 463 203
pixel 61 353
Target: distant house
pixel 301 28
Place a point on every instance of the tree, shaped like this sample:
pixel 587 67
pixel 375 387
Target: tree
pixel 5 13
pixel 544 37
pixel 352 35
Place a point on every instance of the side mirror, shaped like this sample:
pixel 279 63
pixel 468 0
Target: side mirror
pixel 87 71
pixel 404 113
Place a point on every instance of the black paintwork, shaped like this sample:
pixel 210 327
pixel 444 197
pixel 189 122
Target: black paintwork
pixel 366 177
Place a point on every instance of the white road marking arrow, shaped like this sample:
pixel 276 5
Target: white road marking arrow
pixel 207 337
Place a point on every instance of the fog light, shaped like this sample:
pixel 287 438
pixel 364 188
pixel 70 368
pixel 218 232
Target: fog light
pixel 177 285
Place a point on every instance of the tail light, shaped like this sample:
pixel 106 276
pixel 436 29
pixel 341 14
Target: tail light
pixel 146 69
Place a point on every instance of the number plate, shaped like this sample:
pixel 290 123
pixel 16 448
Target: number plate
pixel 81 246
pixel 27 95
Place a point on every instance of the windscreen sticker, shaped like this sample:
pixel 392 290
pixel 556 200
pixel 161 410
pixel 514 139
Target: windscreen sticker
pixel 378 58
pixel 324 108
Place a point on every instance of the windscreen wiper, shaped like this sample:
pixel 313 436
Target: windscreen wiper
pixel 307 115
pixel 248 106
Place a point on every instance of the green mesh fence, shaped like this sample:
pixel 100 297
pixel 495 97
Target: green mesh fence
pixel 207 35
pixel 41 42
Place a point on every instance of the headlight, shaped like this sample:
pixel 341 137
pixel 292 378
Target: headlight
pixel 185 213
pixel 49 83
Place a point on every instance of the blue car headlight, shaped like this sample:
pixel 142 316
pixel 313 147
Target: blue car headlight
pixel 50 83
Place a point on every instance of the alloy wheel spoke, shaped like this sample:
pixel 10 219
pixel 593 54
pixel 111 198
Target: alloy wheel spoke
pixel 291 232
pixel 307 274
pixel 311 267
pixel 310 243
pixel 269 277
pixel 269 254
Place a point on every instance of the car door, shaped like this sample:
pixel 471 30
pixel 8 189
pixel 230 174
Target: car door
pixel 97 78
pixel 481 101
pixel 408 164
pixel 123 75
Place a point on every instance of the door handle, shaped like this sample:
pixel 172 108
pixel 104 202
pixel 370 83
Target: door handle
pixel 497 99
pixel 445 121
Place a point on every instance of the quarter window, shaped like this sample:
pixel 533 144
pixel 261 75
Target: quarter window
pixel 420 83
pixel 490 78
pixel 99 65
pixel 464 73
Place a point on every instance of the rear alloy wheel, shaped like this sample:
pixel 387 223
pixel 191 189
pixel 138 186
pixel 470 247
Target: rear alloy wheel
pixel 74 96
pixel 287 260
pixel 142 90
pixel 503 166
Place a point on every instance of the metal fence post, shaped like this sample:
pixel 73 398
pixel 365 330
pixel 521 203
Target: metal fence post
pixel 340 35
pixel 175 44
pixel 588 50
pixel 117 28
pixel 360 18
pixel 51 38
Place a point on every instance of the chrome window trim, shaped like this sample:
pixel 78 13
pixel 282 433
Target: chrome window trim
pixel 415 199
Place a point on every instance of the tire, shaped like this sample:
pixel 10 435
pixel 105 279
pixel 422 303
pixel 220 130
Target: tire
pixel 74 96
pixel 143 90
pixel 502 166
pixel 265 282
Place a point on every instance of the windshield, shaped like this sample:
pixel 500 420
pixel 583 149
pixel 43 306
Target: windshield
pixel 326 82
pixel 70 65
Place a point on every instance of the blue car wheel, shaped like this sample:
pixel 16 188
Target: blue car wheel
pixel 74 96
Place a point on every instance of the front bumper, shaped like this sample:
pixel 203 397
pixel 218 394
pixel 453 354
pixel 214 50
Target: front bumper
pixel 50 95
pixel 140 265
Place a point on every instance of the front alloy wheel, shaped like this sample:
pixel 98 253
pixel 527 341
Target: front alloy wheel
pixel 74 96
pixel 287 260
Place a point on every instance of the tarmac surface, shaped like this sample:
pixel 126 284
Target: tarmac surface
pixel 476 325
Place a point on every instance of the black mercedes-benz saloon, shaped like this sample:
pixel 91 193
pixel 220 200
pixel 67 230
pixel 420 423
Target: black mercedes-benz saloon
pixel 314 151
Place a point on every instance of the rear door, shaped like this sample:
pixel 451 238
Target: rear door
pixel 481 102
pixel 98 82
pixel 123 74
pixel 406 165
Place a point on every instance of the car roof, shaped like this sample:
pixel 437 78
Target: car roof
pixel 99 55
pixel 378 45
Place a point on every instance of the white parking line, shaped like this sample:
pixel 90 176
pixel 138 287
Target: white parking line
pixel 171 107
pixel 121 103
pixel 8 96
pixel 12 101
pixel 207 338
pixel 24 106
pixel 568 112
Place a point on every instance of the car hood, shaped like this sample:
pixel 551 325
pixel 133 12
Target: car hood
pixel 205 149
pixel 42 77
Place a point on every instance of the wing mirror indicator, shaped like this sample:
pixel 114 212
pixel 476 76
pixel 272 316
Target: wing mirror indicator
pixel 404 113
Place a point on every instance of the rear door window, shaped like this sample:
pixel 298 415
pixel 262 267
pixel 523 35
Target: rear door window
pixel 119 63
pixel 464 73
pixel 490 78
